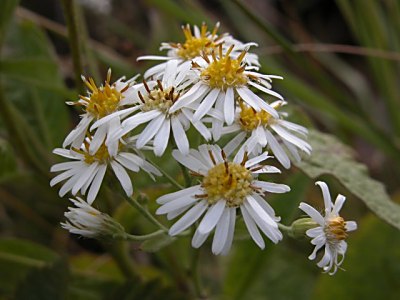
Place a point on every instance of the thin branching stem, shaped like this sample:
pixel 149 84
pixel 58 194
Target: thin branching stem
pixel 74 40
pixel 134 203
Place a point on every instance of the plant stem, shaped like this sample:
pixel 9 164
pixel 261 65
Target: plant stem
pixel 131 237
pixel 145 213
pixel 74 41
pixel 286 229
pixel 169 177
pixel 119 252
pixel 196 274
pixel 186 176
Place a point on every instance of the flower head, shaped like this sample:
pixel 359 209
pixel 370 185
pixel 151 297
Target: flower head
pixel 222 79
pixel 88 170
pixel 154 102
pixel 100 102
pixel 259 129
pixel 198 42
pixel 87 221
pixel 331 232
pixel 225 186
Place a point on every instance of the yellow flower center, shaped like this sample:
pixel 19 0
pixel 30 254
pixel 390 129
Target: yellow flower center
pixel 250 119
pixel 335 230
pixel 194 46
pixel 158 98
pixel 101 156
pixel 102 100
pixel 229 181
pixel 223 71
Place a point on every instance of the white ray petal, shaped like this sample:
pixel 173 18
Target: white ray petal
pixel 212 217
pixel 189 218
pixel 123 178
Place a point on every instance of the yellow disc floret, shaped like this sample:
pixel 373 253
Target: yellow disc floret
pixel 195 45
pixel 335 230
pixel 102 100
pixel 250 119
pixel 102 156
pixel 229 181
pixel 223 71
pixel 158 98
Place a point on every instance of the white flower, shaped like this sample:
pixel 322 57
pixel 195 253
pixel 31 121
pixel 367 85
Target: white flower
pixel 87 221
pixel 155 99
pixel 88 170
pixel 259 129
pixel 222 79
pixel 99 103
pixel 225 187
pixel 331 233
pixel 198 42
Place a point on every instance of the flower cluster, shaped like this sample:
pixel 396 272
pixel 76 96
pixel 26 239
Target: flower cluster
pixel 213 83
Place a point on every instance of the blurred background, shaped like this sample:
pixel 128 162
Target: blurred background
pixel 340 63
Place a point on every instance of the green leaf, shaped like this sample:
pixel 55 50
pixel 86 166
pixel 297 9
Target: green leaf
pixel 8 165
pixel 49 283
pixel 17 259
pixel 6 9
pixel 93 277
pixel 372 258
pixel 245 264
pixel 33 84
pixel 330 156
pixel 157 243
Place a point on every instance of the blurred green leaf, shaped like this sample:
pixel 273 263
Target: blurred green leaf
pixel 157 243
pixel 371 259
pixel 153 289
pixel 33 84
pixel 282 278
pixel 6 10
pixel 179 11
pixel 330 156
pixel 48 283
pixel 245 264
pixel 8 164
pixel 18 258
pixel 93 277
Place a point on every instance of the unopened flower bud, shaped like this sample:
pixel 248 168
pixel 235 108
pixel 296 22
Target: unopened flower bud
pixel 89 222
pixel 300 226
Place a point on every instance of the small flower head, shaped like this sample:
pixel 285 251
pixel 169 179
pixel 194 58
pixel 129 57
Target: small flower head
pixel 249 119
pixel 199 42
pixel 331 232
pixel 196 42
pixel 87 170
pixel 224 78
pixel 102 100
pixel 222 70
pixel 154 101
pixel 260 129
pixel 99 104
pixel 87 221
pixel 225 187
pixel 159 98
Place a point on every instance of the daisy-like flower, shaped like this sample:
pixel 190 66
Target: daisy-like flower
pixel 197 42
pixel 259 129
pixel 225 187
pixel 222 79
pixel 331 232
pixel 87 221
pixel 86 171
pixel 155 99
pixel 100 102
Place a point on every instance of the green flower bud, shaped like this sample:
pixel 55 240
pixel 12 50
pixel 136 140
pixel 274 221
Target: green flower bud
pixel 300 226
